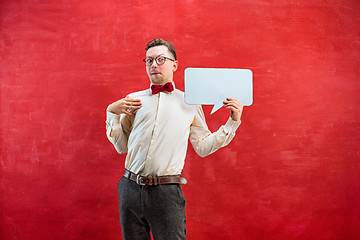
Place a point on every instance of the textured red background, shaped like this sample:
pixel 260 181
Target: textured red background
pixel 292 171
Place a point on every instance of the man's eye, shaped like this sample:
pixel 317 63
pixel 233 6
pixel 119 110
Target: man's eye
pixel 149 60
pixel 161 59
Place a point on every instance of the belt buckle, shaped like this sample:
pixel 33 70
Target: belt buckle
pixel 138 181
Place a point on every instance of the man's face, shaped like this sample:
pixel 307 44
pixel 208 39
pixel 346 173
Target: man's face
pixel 160 74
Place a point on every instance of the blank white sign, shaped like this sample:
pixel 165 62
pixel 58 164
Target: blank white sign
pixel 211 86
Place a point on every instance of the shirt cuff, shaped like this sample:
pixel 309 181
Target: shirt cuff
pixel 231 125
pixel 112 118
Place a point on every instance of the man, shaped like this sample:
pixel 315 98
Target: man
pixel 153 126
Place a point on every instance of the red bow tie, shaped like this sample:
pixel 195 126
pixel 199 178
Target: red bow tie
pixel 168 87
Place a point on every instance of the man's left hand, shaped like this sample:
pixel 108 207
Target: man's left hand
pixel 235 107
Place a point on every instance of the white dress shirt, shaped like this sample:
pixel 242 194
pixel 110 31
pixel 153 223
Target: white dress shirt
pixel 156 138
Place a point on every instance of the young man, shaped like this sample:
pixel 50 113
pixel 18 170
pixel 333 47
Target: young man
pixel 153 126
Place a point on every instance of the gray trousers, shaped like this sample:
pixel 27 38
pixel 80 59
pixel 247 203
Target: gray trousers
pixel 159 208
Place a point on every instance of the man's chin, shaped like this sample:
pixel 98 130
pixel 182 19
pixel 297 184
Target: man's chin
pixel 157 81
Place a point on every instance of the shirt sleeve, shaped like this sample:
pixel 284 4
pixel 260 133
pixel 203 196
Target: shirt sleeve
pixel 203 141
pixel 118 129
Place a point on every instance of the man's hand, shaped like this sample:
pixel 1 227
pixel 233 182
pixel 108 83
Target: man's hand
pixel 125 105
pixel 235 107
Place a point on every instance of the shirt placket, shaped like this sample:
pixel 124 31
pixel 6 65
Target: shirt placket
pixel 155 133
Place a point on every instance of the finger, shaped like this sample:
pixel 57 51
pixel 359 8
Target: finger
pixel 233 109
pixel 136 104
pixel 232 99
pixel 132 100
pixel 233 105
pixel 127 112
pixel 133 103
pixel 132 106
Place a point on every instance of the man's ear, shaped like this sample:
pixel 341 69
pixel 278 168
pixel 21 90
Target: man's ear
pixel 175 66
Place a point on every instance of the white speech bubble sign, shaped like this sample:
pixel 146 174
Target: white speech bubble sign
pixel 211 86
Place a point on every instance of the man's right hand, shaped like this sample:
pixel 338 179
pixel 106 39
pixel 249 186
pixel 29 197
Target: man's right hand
pixel 125 105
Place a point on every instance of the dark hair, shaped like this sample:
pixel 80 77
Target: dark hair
pixel 159 42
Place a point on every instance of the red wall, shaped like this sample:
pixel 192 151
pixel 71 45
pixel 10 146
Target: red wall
pixel 292 171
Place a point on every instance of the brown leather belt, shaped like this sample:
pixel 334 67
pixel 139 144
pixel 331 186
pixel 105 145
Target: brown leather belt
pixel 173 179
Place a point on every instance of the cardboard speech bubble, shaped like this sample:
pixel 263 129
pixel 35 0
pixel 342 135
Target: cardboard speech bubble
pixel 211 86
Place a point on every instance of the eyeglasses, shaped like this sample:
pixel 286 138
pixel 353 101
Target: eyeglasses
pixel 160 60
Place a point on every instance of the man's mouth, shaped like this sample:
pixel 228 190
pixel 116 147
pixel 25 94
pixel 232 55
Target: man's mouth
pixel 155 73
